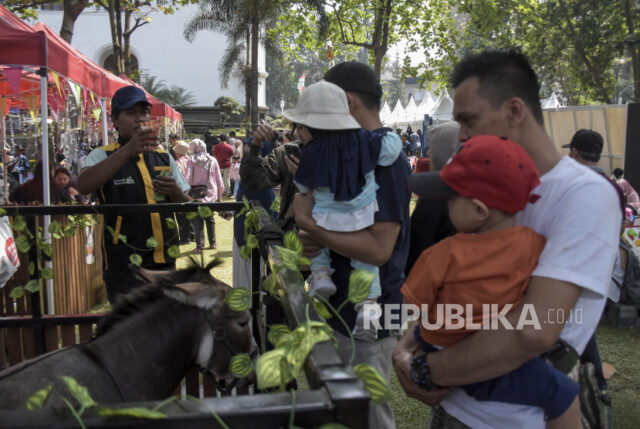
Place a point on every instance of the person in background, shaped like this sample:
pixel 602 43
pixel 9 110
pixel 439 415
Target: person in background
pixel 63 178
pixel 203 169
pixel 223 152
pixel 430 221
pixel 20 167
pixel 630 194
pixel 173 139
pixel 30 192
pixel 186 231
pixel 234 174
pixel 236 143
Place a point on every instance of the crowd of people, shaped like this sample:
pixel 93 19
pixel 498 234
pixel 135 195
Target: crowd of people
pixel 503 218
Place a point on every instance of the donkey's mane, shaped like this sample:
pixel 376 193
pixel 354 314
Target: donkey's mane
pixel 143 296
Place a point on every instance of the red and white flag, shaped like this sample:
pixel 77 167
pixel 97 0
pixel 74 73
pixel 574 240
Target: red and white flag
pixel 301 82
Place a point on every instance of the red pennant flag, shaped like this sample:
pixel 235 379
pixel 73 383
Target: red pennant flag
pixel 14 75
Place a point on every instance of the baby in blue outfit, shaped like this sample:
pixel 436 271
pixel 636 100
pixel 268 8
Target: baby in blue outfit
pixel 337 161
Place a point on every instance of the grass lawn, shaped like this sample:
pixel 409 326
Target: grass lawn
pixel 619 347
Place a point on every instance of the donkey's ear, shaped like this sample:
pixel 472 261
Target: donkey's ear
pixel 151 276
pixel 198 294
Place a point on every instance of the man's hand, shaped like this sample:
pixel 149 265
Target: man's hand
pixel 302 205
pixel 262 133
pixel 311 247
pixel 292 162
pixel 166 185
pixel 144 141
pixel 402 357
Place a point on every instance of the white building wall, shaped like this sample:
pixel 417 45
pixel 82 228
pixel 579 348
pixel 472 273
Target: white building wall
pixel 162 51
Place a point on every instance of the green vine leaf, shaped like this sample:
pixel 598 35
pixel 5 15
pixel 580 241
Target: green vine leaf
pixel 245 252
pixel 20 223
pixel 38 399
pixel 135 259
pixel 205 212
pixel 23 244
pixel 271 284
pixel 276 332
pixel 292 242
pixel 46 273
pixel 275 205
pixel 79 392
pixel 288 257
pixel 321 308
pixel 32 286
pixel 136 412
pixel 374 383
pixel 359 285
pixel 54 227
pixel 252 241
pixel 191 215
pixel 268 369
pixel 238 299
pixel 122 238
pixel 32 268
pixel 173 251
pixel 151 243
pixel 240 365
pixel 17 292
pixel 171 224
pixel 2 211
pixel 47 248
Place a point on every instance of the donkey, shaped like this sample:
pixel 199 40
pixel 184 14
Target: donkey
pixel 144 347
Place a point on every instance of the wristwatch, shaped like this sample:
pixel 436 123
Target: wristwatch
pixel 421 374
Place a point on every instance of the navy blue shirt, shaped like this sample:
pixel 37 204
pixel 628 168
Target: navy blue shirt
pixel 393 198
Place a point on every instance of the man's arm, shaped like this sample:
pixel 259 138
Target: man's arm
pixel 491 353
pixel 257 172
pixel 91 178
pixel 372 245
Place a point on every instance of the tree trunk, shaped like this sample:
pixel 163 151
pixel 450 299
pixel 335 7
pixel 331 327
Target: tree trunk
pixel 247 87
pixel 380 38
pixel 633 49
pixel 253 81
pixel 72 9
pixel 126 54
pixel 114 24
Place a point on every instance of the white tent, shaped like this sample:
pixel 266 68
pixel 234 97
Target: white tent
pixel 427 105
pixel 443 109
pixel 385 113
pixel 411 111
pixel 398 114
pixel 551 102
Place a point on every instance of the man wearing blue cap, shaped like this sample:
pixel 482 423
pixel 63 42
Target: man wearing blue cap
pixel 134 170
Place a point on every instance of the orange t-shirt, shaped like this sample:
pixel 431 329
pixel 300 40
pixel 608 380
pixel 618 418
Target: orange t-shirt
pixel 488 268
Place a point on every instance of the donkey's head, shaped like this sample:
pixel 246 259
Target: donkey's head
pixel 226 332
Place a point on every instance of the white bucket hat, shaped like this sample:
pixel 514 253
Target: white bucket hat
pixel 323 106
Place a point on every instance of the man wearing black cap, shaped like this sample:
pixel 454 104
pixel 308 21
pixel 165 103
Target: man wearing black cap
pixel 135 170
pixel 586 147
pixel 384 244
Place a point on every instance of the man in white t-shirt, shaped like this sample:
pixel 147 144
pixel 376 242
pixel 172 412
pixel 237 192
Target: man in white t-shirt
pixel 578 214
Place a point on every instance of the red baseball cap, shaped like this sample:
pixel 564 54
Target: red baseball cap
pixel 492 169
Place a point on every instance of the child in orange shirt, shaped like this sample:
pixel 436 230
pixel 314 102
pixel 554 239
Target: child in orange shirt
pixel 489 261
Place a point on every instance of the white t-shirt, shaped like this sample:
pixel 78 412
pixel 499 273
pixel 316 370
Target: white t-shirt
pixel 579 214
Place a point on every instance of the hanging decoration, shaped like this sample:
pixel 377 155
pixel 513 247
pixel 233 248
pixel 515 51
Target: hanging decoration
pixel 14 76
pixel 4 107
pixel 56 80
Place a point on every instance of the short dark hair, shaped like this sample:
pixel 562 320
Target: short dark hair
pixel 232 133
pixel 369 101
pixel 173 136
pixel 618 172
pixel 61 170
pixel 502 74
pixel 223 137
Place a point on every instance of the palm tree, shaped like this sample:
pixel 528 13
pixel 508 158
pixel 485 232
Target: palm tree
pixel 242 22
pixel 177 97
pixel 153 85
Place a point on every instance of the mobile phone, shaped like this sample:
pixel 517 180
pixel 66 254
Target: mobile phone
pixel 292 149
